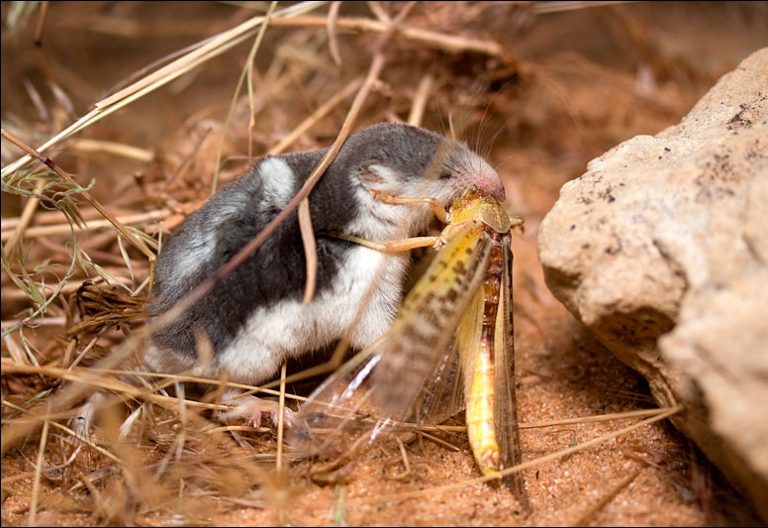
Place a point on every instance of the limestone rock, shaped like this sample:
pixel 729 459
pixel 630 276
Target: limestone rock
pixel 661 249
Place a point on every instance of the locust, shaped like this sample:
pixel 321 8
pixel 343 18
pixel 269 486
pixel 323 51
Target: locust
pixel 450 348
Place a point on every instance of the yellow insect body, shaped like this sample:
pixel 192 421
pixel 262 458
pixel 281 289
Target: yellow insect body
pixel 481 426
pixel 450 347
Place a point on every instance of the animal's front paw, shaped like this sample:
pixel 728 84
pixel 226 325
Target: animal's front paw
pixel 253 410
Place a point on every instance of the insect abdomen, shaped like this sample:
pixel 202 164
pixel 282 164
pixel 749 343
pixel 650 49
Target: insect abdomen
pixel 481 425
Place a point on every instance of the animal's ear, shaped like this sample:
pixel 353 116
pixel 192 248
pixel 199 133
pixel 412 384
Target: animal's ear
pixel 375 176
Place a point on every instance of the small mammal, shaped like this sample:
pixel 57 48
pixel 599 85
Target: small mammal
pixel 255 318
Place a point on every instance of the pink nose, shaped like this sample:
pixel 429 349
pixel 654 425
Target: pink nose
pixel 496 189
pixel 488 184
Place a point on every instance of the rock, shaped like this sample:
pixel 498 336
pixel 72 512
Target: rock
pixel 661 249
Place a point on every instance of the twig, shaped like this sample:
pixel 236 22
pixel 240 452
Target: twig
pixel 333 39
pixel 18 295
pixel 42 321
pixel 38 40
pixel 378 11
pixel 449 43
pixel 591 419
pixel 57 217
pixel 197 379
pixel 38 474
pixel 420 101
pixel 281 419
pixel 113 148
pixel 310 250
pixel 440 441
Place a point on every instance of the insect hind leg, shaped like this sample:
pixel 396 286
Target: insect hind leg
pixel 433 204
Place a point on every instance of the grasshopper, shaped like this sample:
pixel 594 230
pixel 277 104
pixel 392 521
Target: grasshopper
pixel 451 347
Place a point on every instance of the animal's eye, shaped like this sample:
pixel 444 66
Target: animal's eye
pixel 444 175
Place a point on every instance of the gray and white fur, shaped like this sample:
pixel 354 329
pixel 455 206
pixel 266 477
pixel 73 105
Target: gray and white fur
pixel 255 318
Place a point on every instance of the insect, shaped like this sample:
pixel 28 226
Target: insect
pixel 451 347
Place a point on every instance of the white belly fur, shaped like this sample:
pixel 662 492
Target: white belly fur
pixel 291 328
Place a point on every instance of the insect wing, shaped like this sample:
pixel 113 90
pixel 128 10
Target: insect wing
pixel 377 389
pixel 431 312
pixel 442 395
pixel 505 410
pixel 340 410
pixel 446 389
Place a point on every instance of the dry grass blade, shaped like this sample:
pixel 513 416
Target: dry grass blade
pixel 206 381
pixel 449 43
pixel 641 413
pixel 90 146
pixel 440 441
pixel 41 23
pixel 87 377
pixel 26 217
pixel 46 218
pixel 89 225
pixel 333 41
pixel 420 101
pixel 378 11
pixel 68 286
pixel 310 250
pixel 542 8
pixel 588 515
pixel 281 420
pixel 627 415
pixel 38 474
pixel 208 49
